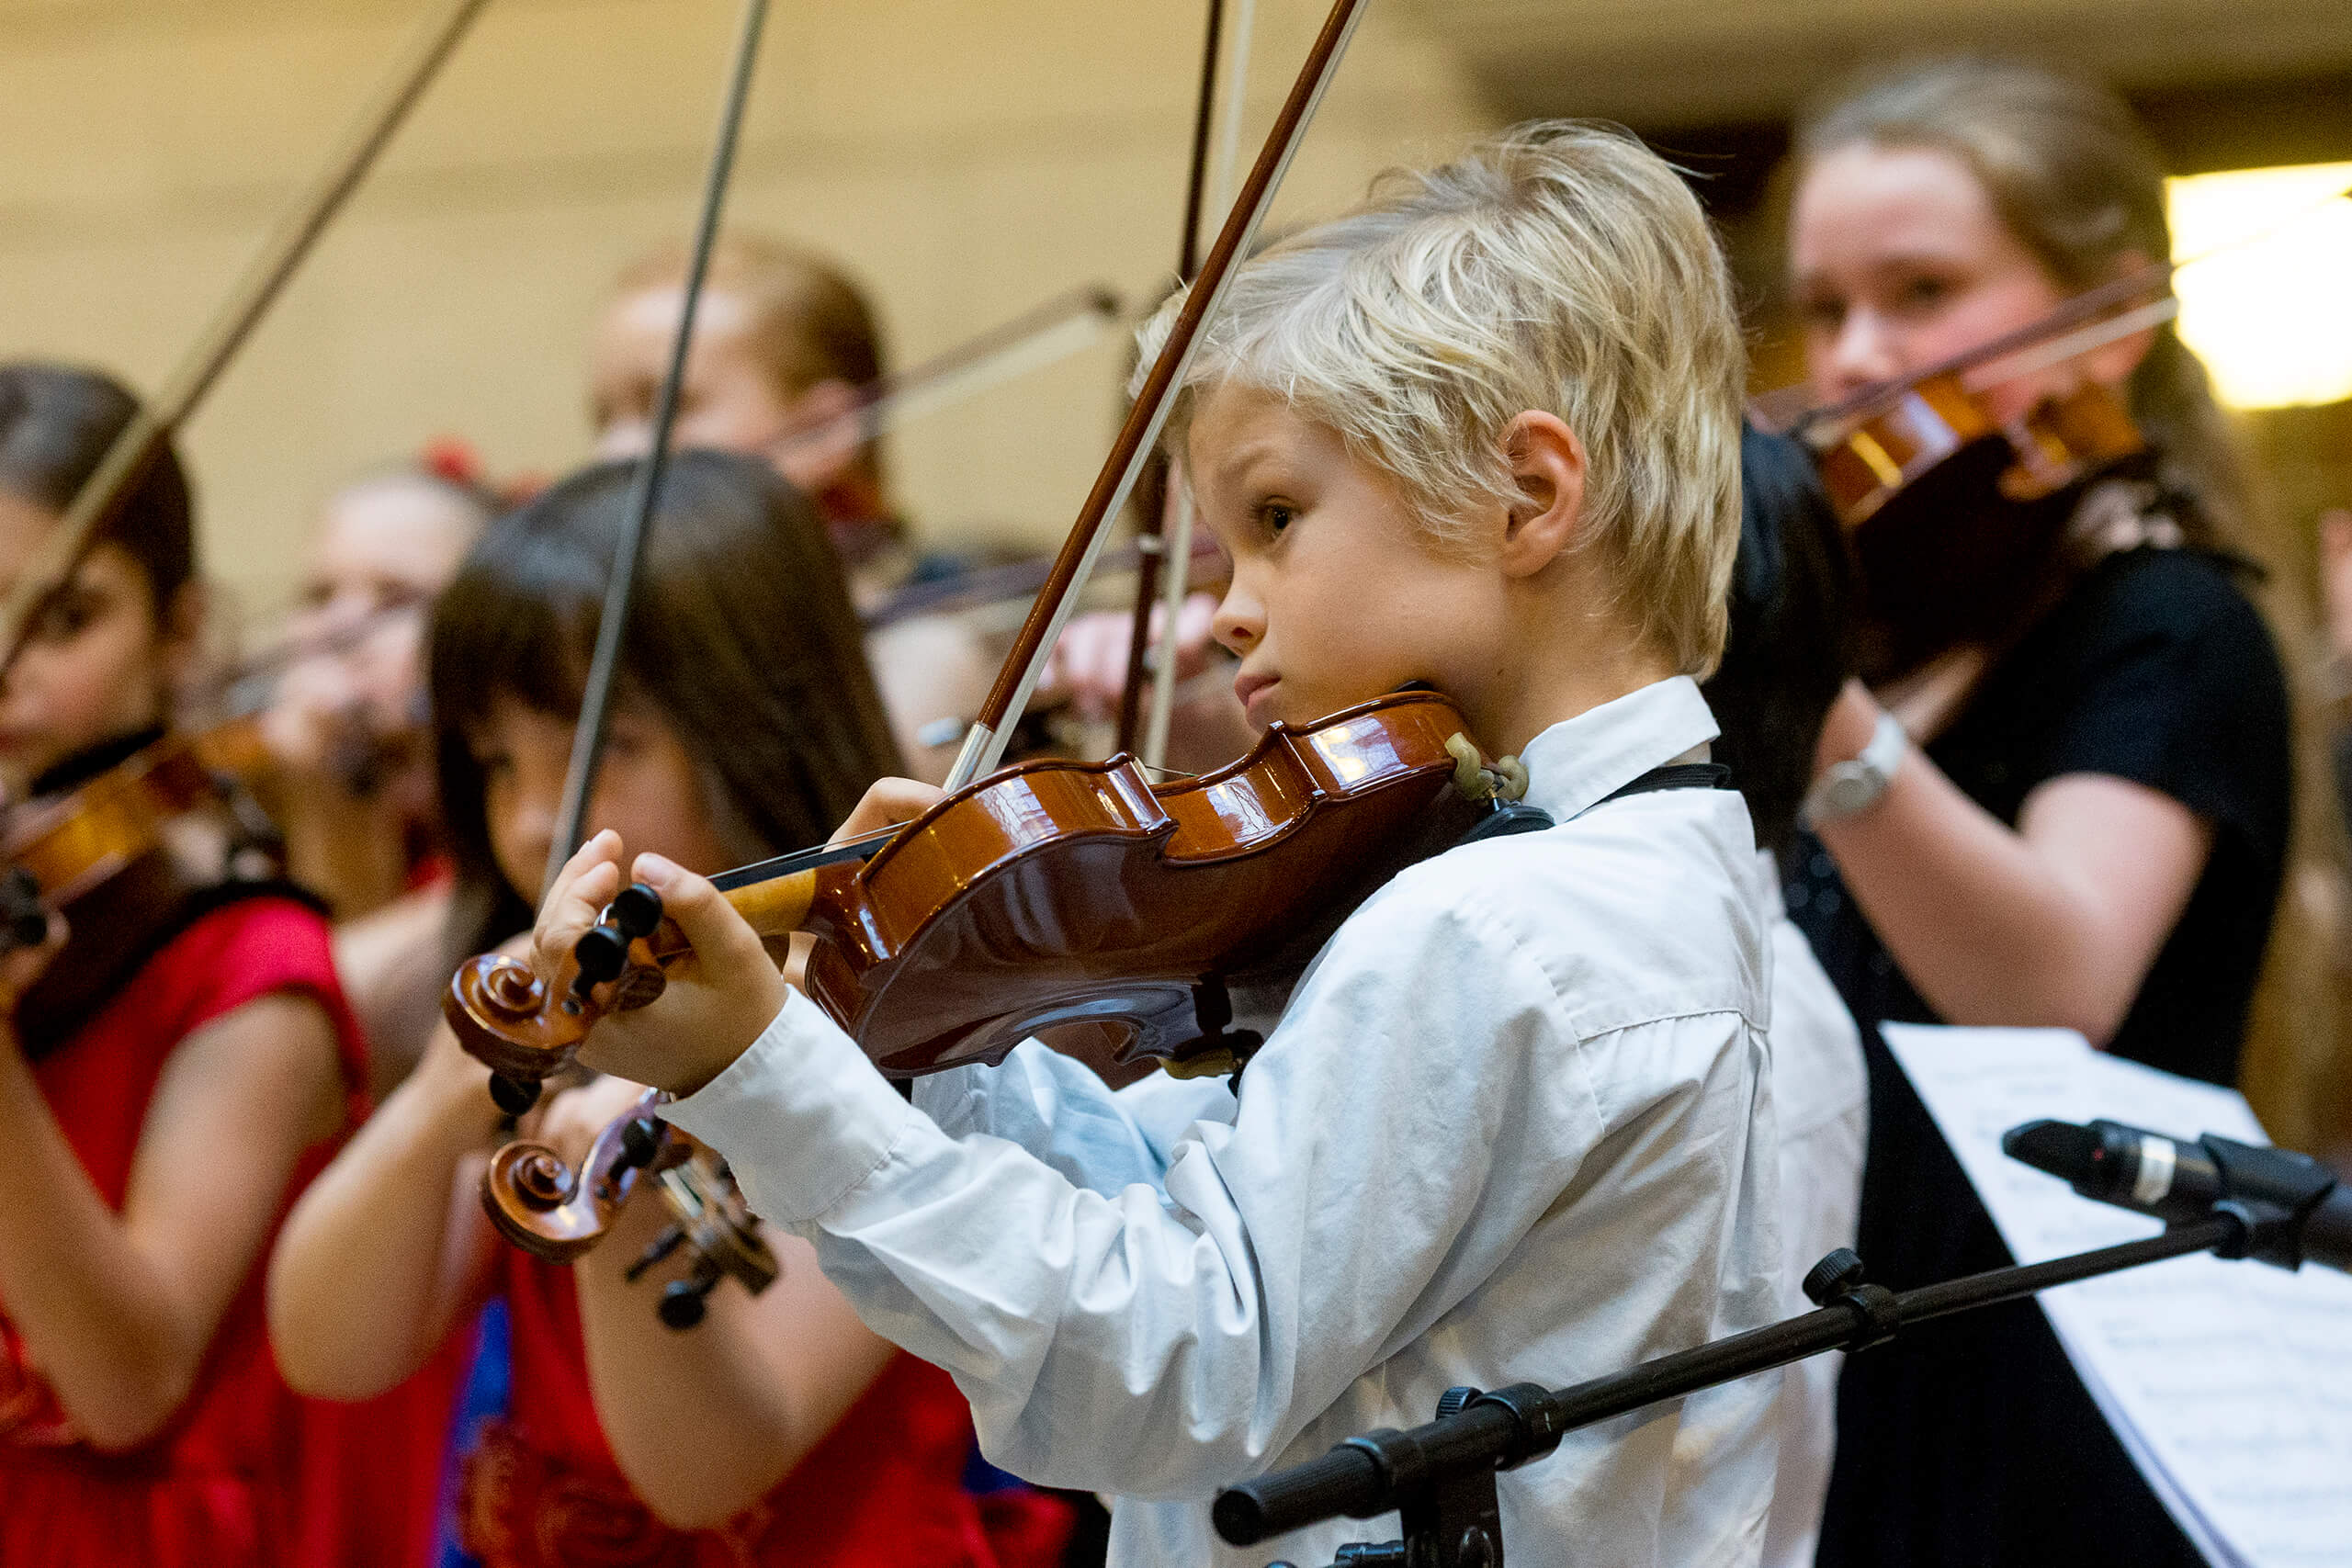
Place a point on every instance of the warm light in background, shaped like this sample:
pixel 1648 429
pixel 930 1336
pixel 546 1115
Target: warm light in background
pixel 2271 317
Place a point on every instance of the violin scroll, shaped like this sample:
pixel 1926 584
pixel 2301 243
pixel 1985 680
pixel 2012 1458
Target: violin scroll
pixel 550 1211
pixel 507 1018
pixel 544 1207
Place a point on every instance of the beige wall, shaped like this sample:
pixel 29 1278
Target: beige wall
pixel 967 158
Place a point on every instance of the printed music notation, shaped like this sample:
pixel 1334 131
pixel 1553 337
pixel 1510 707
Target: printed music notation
pixel 2229 1384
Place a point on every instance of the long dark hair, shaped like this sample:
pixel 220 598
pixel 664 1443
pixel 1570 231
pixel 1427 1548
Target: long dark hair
pixel 56 424
pixel 1790 643
pixel 742 637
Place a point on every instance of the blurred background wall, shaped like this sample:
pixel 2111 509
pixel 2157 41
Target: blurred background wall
pixel 967 158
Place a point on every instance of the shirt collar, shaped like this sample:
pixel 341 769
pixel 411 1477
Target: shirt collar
pixel 1576 762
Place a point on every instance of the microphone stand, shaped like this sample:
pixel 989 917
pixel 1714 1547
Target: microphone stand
pixel 1441 1477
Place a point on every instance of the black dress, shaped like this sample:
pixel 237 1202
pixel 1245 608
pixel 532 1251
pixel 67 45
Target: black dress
pixel 1970 1442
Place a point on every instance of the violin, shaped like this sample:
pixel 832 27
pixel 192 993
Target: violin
pixel 1079 902
pixel 130 857
pixel 1958 520
pixel 148 843
pixel 542 1206
pixel 1076 902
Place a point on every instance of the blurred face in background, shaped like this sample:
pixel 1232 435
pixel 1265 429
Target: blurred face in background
pixel 1898 258
pixel 731 401
pixel 352 705
pixel 98 664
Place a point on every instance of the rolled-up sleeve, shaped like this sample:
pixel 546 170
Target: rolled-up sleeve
pixel 1150 1311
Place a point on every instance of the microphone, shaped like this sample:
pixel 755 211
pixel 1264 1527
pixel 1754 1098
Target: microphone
pixel 2297 1208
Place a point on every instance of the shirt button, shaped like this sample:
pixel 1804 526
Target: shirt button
pixel 1823 866
pixel 1827 901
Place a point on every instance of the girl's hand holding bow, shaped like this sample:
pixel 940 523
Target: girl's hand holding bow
pixel 720 997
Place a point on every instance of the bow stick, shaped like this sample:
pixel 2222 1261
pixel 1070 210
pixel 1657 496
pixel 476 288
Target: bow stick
pixel 1151 535
pixel 1009 697
pixel 603 665
pixel 1179 552
pixel 128 457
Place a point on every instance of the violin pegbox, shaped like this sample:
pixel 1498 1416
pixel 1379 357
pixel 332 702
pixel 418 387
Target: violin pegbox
pixel 503 1016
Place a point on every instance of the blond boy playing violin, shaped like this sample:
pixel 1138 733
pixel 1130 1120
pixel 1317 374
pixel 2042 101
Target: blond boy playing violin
pixel 1514 1122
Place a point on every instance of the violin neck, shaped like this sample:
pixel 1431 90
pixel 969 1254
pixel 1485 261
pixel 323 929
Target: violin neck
pixel 777 905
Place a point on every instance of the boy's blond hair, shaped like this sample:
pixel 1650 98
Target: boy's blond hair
pixel 1560 267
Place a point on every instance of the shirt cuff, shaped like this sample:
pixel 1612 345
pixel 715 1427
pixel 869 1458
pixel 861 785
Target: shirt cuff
pixel 802 1117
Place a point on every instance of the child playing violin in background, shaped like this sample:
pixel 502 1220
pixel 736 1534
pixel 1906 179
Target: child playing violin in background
pixel 2087 823
pixel 783 343
pixel 148 1148
pixel 349 780
pixel 779 1429
pixel 1515 1123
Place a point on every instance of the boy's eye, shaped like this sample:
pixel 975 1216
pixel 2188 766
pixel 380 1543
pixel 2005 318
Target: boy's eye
pixel 1276 515
pixel 1821 314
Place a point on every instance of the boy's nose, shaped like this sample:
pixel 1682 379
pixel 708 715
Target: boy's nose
pixel 1240 619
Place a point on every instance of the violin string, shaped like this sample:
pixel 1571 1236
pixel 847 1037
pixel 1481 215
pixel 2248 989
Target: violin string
pixel 603 665
pixel 141 441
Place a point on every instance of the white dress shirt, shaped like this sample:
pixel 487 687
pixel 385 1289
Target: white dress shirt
pixel 1515 1125
pixel 1821 1097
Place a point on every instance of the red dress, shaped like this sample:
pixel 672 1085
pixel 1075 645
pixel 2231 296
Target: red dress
pixel 218 1486
pixel 884 1490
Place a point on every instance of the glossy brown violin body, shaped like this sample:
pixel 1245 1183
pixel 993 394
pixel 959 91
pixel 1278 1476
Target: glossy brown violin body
pixel 542 1206
pixel 1958 523
pixel 125 856
pixel 1076 902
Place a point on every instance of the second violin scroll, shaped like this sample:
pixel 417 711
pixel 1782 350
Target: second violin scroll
pixel 543 1206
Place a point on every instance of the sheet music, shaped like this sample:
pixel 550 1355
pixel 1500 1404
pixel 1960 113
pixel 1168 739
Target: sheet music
pixel 2230 1384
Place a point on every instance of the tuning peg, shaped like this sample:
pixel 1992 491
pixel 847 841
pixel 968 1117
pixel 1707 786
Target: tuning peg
pixel 683 1301
pixel 663 1245
pixel 636 909
pixel 601 953
pixel 640 1142
pixel 514 1095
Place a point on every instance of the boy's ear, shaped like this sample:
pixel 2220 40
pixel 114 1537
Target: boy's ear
pixel 1548 465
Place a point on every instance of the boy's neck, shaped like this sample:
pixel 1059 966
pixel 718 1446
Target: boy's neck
pixel 1561 672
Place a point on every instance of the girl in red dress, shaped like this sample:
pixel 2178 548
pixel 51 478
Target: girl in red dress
pixel 148 1144
pixel 779 1429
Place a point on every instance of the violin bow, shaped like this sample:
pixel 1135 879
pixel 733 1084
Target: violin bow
pixel 1152 535
pixel 984 744
pixel 1179 552
pixel 1038 336
pixel 2071 326
pixel 628 556
pixel 128 459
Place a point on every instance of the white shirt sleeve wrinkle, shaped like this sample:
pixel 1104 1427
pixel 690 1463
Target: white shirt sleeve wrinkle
pixel 1115 1342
